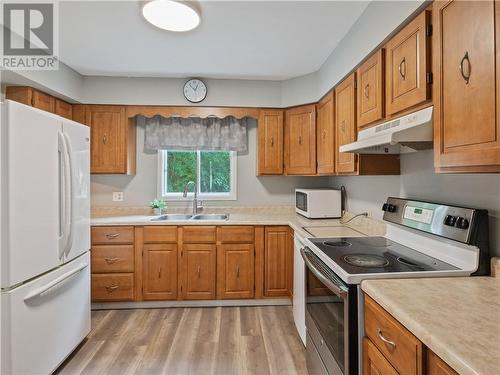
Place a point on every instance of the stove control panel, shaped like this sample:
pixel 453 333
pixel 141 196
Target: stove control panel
pixel 452 222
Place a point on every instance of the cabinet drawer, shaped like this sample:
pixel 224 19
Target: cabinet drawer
pixel 160 234
pixel 236 234
pixel 199 234
pixel 112 235
pixel 113 287
pixel 112 258
pixel 395 342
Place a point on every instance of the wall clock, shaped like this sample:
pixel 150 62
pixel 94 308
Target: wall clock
pixel 195 90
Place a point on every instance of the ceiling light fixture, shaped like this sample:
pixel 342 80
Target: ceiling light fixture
pixel 171 15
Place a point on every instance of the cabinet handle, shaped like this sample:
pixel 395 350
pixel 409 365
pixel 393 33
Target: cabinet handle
pixel 159 273
pixel 402 68
pixel 111 288
pixel 104 139
pixel 300 139
pixel 198 272
pixel 461 67
pixel 387 342
pixel 342 125
pixel 238 271
pixel 272 141
pixel 111 260
pixel 366 91
pixel 111 236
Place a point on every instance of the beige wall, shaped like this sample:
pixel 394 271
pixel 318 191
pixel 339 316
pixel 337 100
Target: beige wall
pixel 252 191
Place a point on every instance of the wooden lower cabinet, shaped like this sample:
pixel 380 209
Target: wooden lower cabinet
pixel 235 271
pixel 436 366
pixel 198 271
pixel 374 363
pixel 277 262
pixel 159 272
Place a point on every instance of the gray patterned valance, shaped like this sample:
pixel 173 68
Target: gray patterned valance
pixel 196 133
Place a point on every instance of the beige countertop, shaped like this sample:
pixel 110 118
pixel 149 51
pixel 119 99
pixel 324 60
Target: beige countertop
pixel 457 318
pixel 246 216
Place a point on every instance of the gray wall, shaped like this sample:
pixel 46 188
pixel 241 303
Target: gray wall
pixel 252 190
pixel 419 181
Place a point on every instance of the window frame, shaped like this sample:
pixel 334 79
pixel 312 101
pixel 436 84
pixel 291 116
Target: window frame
pixel 231 196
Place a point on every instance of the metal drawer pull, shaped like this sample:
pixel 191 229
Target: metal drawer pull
pixel 402 72
pixel 111 288
pixel 111 260
pixel 159 273
pixel 104 139
pixel 461 67
pixel 199 271
pixel 388 342
pixel 238 272
pixel 300 139
pixel 367 91
pixel 272 141
pixel 111 236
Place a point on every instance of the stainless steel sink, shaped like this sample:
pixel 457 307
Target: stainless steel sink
pixel 211 217
pixel 172 217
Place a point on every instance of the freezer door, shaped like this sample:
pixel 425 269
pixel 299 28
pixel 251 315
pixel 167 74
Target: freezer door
pixel 31 182
pixel 44 320
pixel 77 138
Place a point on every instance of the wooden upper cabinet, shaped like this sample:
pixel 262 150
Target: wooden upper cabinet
pixel 300 140
pixel 112 139
pixel 270 142
pixel 30 96
pixel 407 66
pixel 370 83
pixel 345 124
pixel 235 271
pixel 159 272
pixel 63 109
pixel 466 85
pixel 277 265
pixel 198 271
pixel 325 152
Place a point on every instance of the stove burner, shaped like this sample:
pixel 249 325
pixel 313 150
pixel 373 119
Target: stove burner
pixel 337 243
pixel 365 260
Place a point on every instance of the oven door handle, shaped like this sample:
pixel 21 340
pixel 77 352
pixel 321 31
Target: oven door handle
pixel 331 284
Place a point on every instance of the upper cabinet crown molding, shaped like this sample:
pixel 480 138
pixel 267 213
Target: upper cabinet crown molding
pixel 407 65
pixel 466 86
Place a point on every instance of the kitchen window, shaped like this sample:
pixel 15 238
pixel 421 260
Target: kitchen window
pixel 214 172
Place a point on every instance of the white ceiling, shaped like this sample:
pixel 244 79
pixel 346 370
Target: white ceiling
pixel 271 40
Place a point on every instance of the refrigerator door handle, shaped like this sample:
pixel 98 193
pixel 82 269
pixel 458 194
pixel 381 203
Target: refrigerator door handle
pixel 64 189
pixel 71 198
pixel 44 289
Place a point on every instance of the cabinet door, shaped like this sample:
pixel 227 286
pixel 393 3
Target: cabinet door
pixel 345 124
pixel 436 366
pixel 270 142
pixel 276 262
pixel 325 135
pixel 374 363
pixel 300 140
pixel 235 270
pixel 407 61
pixel 43 101
pixel 370 78
pixel 108 129
pixel 159 275
pixel 63 109
pixel 198 262
pixel 466 122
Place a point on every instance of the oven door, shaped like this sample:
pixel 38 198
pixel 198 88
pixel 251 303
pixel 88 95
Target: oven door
pixel 328 320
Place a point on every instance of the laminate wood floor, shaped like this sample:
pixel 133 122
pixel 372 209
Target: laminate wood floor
pixel 218 340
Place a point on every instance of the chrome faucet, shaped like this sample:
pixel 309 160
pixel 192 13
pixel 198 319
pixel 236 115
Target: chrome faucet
pixel 195 198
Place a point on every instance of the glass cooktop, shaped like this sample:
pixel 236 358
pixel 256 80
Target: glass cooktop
pixel 359 255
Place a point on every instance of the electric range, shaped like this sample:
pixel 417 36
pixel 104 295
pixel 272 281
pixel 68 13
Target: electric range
pixel 423 239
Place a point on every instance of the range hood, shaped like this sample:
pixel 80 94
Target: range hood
pixel 405 134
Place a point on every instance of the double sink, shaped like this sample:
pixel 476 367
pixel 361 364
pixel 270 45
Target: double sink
pixel 200 217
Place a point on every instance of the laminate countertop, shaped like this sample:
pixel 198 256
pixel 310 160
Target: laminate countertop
pixel 360 226
pixel 457 318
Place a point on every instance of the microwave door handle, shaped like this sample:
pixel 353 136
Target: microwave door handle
pixel 334 287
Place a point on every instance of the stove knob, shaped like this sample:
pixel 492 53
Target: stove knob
pixel 385 207
pixel 391 208
pixel 450 220
pixel 462 223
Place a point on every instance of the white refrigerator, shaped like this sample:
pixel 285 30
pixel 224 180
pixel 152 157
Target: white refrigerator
pixel 45 239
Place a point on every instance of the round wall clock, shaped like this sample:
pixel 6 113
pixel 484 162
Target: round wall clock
pixel 195 90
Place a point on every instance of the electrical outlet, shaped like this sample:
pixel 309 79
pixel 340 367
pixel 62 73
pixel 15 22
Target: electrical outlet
pixel 118 196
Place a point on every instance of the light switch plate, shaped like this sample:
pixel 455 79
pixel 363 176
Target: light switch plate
pixel 118 196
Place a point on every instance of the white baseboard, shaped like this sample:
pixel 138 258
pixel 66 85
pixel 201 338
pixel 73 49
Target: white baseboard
pixel 210 303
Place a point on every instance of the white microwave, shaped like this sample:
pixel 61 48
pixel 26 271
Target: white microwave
pixel 318 203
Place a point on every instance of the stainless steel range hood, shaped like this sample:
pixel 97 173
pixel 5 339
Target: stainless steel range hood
pixel 405 134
